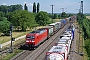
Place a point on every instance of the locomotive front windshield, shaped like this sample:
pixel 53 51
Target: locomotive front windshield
pixel 30 37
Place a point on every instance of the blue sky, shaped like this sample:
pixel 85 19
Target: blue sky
pixel 70 6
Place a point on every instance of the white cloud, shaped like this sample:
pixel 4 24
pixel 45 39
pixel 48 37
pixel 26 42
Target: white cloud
pixel 4 4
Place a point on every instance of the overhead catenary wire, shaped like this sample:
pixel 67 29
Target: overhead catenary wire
pixel 65 9
pixel 72 5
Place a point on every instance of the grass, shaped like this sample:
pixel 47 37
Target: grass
pixel 85 54
pixel 81 47
pixel 57 20
pixel 77 41
pixel 18 42
pixel 4 39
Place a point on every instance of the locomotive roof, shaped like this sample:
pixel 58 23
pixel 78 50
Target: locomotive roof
pixel 56 49
pixel 38 31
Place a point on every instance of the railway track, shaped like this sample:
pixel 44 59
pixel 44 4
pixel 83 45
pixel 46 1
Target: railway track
pixel 40 52
pixel 21 55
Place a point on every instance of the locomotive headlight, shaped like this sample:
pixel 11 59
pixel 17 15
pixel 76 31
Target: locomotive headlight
pixel 27 41
pixel 33 41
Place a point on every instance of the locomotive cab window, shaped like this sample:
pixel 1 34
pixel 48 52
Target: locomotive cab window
pixel 30 37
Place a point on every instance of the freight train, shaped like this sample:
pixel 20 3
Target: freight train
pixel 61 49
pixel 35 38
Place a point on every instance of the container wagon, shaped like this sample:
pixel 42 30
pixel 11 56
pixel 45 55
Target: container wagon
pixel 55 26
pixel 72 29
pixel 63 23
pixel 57 53
pixel 49 30
pixel 65 40
pixel 67 34
pixel 58 25
pixel 67 20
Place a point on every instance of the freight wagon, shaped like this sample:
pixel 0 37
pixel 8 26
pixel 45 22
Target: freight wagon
pixel 72 29
pixel 58 25
pixel 49 30
pixel 67 20
pixel 63 23
pixel 57 53
pixel 67 34
pixel 65 40
pixel 54 26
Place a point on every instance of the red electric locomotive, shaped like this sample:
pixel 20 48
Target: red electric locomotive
pixel 34 38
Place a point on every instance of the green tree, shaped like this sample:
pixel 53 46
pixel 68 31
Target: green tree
pixel 23 18
pixel 8 16
pixel 4 26
pixel 87 46
pixel 25 7
pixel 80 18
pixel 10 8
pixel 63 15
pixel 3 8
pixel 14 17
pixel 70 15
pixel 1 14
pixel 59 16
pixel 38 7
pixel 42 18
pixel 50 15
pixel 34 7
pixel 27 20
pixel 55 16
